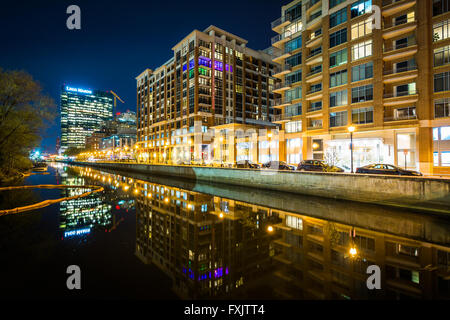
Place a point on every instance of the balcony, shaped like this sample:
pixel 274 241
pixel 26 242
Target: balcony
pixel 400 74
pixel 311 20
pixel 400 118
pixel 399 98
pixel 314 94
pixel 400 50
pixel 281 102
pixel 391 7
pixel 283 71
pixel 312 4
pixel 315 39
pixel 279 56
pixel 280 118
pixel 278 40
pixel 315 126
pixel 280 87
pixel 315 56
pixel 399 27
pixel 399 94
pixel 400 114
pixel 281 22
pixel 315 75
pixel 315 107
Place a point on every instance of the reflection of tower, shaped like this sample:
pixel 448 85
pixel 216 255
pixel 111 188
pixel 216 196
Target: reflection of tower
pixel 80 216
pixel 208 247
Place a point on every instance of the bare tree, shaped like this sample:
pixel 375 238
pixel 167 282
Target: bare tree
pixel 24 114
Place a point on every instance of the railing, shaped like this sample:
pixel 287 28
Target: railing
pixel 314 90
pixel 315 34
pixel 388 2
pixel 281 101
pixel 280 85
pixel 279 21
pixel 399 22
pixel 400 94
pixel 399 118
pixel 286 67
pixel 315 53
pixel 313 72
pixel 279 37
pixel 314 16
pixel 311 3
pixel 279 117
pixel 410 43
pixel 315 108
pixel 400 70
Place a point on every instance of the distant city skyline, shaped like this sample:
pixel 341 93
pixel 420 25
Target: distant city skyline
pixel 116 42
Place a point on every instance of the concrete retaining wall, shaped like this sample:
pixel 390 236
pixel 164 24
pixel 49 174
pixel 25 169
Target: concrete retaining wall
pixel 413 192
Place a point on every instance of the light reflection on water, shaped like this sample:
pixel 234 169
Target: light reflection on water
pixel 213 241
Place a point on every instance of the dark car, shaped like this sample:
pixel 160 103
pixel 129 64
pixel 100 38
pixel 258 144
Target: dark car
pixel 317 165
pixel 387 169
pixel 247 164
pixel 278 165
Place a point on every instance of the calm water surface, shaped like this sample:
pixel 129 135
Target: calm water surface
pixel 158 238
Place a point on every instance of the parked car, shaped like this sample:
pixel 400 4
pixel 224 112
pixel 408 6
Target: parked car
pixel 317 165
pixel 247 164
pixel 278 165
pixel 387 169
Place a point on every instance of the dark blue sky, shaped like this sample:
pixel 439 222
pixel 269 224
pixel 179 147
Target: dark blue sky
pixel 117 40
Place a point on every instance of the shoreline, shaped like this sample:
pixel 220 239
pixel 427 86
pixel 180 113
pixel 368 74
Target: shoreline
pixel 415 193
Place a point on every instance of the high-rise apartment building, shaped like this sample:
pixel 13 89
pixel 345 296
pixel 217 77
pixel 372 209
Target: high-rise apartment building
pixel 381 66
pixel 82 112
pixel 212 81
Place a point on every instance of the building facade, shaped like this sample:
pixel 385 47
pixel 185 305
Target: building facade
pixel 213 81
pixel 82 112
pixel 381 66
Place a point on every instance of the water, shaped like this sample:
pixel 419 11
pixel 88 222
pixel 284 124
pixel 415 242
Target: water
pixel 159 238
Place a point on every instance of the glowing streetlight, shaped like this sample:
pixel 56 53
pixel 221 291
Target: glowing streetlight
pixel 221 215
pixel 315 145
pixel 270 228
pixel 353 252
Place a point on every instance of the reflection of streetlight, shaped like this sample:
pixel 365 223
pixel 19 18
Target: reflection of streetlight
pixel 405 152
pixel 315 145
pixel 351 129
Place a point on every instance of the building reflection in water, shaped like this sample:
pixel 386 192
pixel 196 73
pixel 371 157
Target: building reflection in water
pixel 216 247
pixel 211 245
pixel 83 215
pixel 208 245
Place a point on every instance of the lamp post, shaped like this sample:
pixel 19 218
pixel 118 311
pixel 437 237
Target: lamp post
pixel 351 129
pixel 405 152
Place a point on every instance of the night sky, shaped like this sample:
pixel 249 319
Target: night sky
pixel 117 40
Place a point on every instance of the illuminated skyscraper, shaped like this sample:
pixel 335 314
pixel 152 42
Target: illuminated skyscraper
pixel 82 112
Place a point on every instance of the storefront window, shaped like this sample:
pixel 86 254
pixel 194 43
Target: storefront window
pixel 365 151
pixel 294 150
pixel 441 141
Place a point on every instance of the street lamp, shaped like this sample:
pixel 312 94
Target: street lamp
pixel 351 129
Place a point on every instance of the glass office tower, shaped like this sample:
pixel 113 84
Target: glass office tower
pixel 82 113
